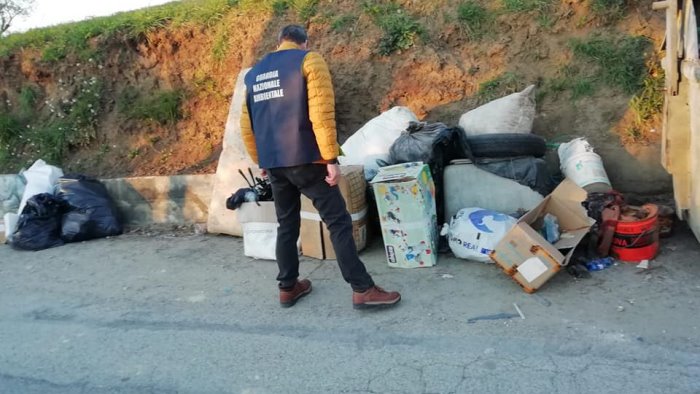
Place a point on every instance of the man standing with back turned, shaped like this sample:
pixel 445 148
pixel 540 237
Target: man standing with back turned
pixel 288 127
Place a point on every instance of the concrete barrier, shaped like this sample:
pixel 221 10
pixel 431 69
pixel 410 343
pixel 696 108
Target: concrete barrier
pixel 182 199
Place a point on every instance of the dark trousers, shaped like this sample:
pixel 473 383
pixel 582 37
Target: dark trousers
pixel 287 186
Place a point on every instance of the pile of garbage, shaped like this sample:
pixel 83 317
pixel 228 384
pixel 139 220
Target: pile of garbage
pixel 487 180
pixel 55 209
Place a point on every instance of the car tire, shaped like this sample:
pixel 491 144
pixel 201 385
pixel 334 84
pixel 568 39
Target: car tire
pixel 507 145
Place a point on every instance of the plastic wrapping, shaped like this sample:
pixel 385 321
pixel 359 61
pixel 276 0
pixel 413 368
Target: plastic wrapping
pixel 415 143
pixel 91 214
pixel 373 141
pixel 11 189
pixel 474 232
pixel 41 178
pixel 39 225
pixel 527 171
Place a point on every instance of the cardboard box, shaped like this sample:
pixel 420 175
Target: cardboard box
pixel 405 195
pixel 315 237
pixel 3 239
pixel 526 256
pixel 259 224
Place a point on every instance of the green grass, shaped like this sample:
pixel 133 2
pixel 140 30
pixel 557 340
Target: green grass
pixel 306 9
pixel 343 23
pixel 650 101
pixel 27 134
pixel 75 124
pixel 56 42
pixel 570 78
pixel 647 104
pixel 280 7
pixel 474 19
pixel 220 46
pixel 619 61
pixel 525 5
pixel 545 10
pixel 400 29
pixel 162 107
pixel 609 10
pixel 27 100
pixel 503 85
pixel 10 130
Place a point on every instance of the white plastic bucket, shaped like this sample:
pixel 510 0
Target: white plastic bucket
pixel 586 169
pixel 580 164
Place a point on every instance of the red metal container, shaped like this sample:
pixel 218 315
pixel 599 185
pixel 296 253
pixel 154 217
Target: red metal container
pixel 637 234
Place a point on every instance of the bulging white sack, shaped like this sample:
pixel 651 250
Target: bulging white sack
pixel 514 113
pixel 375 138
pixel 474 232
pixel 41 178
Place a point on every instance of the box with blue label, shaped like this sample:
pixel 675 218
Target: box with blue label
pixel 405 196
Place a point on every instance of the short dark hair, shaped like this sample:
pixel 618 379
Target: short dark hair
pixel 293 33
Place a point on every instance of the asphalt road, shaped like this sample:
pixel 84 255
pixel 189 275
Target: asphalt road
pixel 190 314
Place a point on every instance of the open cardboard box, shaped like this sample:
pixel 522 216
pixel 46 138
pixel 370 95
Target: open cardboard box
pixel 526 256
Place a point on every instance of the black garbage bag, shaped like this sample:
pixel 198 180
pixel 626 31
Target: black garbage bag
pixel 528 171
pixel 415 143
pixel 241 196
pixel 39 225
pixel 91 211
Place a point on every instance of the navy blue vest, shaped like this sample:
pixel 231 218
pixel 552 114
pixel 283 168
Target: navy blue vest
pixel 279 110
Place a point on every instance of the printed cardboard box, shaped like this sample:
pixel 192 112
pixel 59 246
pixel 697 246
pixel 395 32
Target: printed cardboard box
pixel 405 195
pixel 315 237
pixel 526 256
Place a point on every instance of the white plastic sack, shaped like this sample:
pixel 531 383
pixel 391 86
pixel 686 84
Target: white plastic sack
pixel 11 190
pixel 259 240
pixel 41 178
pixel 10 219
pixel 510 114
pixel 474 232
pixel 233 157
pixel 375 138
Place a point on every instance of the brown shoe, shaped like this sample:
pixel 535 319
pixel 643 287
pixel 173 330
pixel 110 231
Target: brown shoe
pixel 374 297
pixel 290 297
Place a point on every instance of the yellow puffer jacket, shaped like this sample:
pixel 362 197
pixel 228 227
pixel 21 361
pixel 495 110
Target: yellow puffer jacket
pixel 321 107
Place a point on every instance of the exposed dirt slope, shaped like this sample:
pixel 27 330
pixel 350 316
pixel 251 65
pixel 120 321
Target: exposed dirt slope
pixel 438 78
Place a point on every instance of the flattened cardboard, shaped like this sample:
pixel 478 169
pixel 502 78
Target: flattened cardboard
pixel 523 244
pixel 315 237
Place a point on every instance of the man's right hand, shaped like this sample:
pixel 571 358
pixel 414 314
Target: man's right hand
pixel 263 173
pixel 333 174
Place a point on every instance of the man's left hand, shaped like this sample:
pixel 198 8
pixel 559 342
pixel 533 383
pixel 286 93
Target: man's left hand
pixel 333 174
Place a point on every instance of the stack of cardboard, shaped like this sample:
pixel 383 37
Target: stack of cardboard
pixel 405 195
pixel 524 254
pixel 315 237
